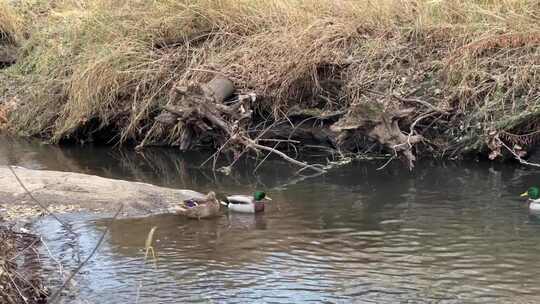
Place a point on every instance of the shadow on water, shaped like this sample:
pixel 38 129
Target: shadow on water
pixel 161 166
pixel 447 232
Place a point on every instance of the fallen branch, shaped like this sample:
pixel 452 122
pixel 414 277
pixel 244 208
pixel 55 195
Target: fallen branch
pixel 201 110
pixel 264 159
pixel 521 160
pixel 244 150
pixel 387 162
pixel 288 158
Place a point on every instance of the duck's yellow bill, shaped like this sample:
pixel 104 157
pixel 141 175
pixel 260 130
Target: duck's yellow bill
pixel 268 198
pixel 524 194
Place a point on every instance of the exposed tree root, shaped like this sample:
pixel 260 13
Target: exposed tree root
pixel 202 111
pixel 381 125
pixel 199 110
pixel 517 153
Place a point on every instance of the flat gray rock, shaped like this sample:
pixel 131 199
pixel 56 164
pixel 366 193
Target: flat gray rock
pixel 72 192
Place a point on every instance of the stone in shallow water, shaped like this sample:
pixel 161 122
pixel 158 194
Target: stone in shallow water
pixel 70 192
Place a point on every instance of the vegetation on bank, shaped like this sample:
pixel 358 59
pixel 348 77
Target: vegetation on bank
pixel 468 69
pixel 9 25
pixel 9 35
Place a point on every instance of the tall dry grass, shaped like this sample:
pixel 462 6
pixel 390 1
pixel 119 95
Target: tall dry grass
pixel 9 25
pixel 94 64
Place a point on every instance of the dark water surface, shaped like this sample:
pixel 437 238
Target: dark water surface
pixel 444 233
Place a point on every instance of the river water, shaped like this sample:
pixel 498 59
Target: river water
pixel 452 232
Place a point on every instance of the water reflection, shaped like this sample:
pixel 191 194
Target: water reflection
pixel 162 166
pixel 444 233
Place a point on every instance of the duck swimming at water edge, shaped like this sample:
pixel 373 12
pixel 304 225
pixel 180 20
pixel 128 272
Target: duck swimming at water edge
pixel 247 203
pixel 533 194
pixel 199 208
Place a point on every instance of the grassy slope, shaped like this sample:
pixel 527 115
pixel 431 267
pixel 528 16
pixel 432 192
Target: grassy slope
pixel 97 63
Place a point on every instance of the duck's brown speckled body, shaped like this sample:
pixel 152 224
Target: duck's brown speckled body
pixel 200 208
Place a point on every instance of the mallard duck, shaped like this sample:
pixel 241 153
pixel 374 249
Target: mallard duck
pixel 534 198
pixel 199 207
pixel 246 203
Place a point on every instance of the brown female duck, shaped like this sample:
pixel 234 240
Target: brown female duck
pixel 199 208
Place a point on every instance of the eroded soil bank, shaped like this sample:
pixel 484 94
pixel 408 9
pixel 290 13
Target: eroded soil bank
pixel 408 78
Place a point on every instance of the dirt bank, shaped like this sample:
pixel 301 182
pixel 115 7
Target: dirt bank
pixel 69 192
pixel 410 78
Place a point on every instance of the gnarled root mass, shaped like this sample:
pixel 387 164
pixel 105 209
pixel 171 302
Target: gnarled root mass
pixel 199 111
pixel 381 124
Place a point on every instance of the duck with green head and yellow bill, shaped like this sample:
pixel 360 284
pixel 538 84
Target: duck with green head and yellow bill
pixel 247 203
pixel 533 195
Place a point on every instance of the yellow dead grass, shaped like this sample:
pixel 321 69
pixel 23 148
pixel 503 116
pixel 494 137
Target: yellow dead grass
pixel 102 63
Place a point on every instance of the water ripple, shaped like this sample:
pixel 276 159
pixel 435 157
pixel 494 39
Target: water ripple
pixel 412 250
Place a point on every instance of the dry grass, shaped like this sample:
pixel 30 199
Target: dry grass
pixel 93 64
pixel 9 25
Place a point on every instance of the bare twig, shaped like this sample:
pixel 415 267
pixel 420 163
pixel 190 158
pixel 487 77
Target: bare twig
pixel 60 266
pixel 148 247
pixel 148 244
pixel 215 155
pixel 24 250
pixel 148 134
pixel 42 206
pixel 54 297
pixel 428 114
pixel 411 129
pixel 15 285
pixel 419 101
pixel 280 140
pixel 261 134
pixel 264 159
pixel 287 158
pixel 521 160
pixel 387 162
pixel 208 71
